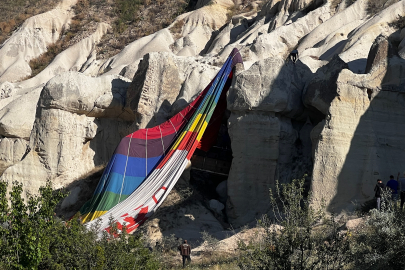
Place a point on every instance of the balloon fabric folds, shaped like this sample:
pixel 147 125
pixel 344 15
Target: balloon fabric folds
pixel 147 163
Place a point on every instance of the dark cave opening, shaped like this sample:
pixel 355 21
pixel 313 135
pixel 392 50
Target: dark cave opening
pixel 209 170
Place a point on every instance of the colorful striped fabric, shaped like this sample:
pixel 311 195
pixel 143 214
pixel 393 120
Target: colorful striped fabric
pixel 147 163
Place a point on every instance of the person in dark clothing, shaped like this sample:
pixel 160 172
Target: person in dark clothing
pixel 185 251
pixel 393 185
pixel 378 192
pixel 401 182
pixel 294 56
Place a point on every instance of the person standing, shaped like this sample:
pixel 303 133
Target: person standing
pixel 401 182
pixel 378 192
pixel 393 185
pixel 185 251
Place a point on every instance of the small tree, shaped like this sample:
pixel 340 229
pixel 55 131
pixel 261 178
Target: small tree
pixel 26 227
pixel 291 239
pixel 32 237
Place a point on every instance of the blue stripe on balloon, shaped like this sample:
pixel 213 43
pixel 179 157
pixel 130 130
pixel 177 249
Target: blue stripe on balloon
pixel 136 167
pixel 114 184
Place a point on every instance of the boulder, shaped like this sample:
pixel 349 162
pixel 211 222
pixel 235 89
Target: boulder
pixel 221 190
pixel 216 206
pixel 18 116
pixel 80 94
pixel 354 224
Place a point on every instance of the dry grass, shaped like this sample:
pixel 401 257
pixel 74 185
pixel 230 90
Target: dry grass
pixel 245 6
pixel 176 28
pixel 375 6
pixel 131 20
pixel 398 24
pixel 334 5
pixel 15 12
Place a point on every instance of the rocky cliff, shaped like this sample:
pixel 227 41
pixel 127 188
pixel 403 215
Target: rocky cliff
pixel 334 115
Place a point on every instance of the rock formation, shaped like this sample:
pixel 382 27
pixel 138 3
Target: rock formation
pixel 334 115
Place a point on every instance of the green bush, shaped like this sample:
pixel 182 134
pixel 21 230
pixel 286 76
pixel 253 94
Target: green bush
pixel 26 228
pixel 32 237
pixel 307 239
pixel 380 245
pixel 126 11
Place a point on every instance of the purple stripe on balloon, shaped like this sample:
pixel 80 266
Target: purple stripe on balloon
pixel 137 149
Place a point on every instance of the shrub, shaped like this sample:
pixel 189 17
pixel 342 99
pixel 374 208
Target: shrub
pixel 211 244
pixel 382 242
pixel 26 228
pixel 398 24
pixel 298 237
pixel 41 62
pixel 32 237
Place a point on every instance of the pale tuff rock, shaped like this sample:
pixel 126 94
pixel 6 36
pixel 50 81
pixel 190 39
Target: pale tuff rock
pixel 94 97
pixel 12 150
pixel 315 93
pixel 6 90
pixel 196 30
pixel 269 85
pixel 133 53
pixel 163 85
pixel 279 42
pixel 263 102
pixel 66 140
pixel 355 51
pixel 361 139
pixel 354 224
pixel 72 59
pixel 255 137
pixel 331 35
pixel 17 117
pixel 31 40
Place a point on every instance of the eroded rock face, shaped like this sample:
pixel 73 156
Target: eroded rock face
pixel 264 102
pixel 163 85
pixel 361 139
pixel 66 140
pixel 12 150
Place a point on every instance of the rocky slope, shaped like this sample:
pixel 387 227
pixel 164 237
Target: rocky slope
pixel 334 115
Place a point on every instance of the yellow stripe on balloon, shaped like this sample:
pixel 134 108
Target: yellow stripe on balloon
pixel 179 140
pixel 92 215
pixel 201 133
pixel 195 123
